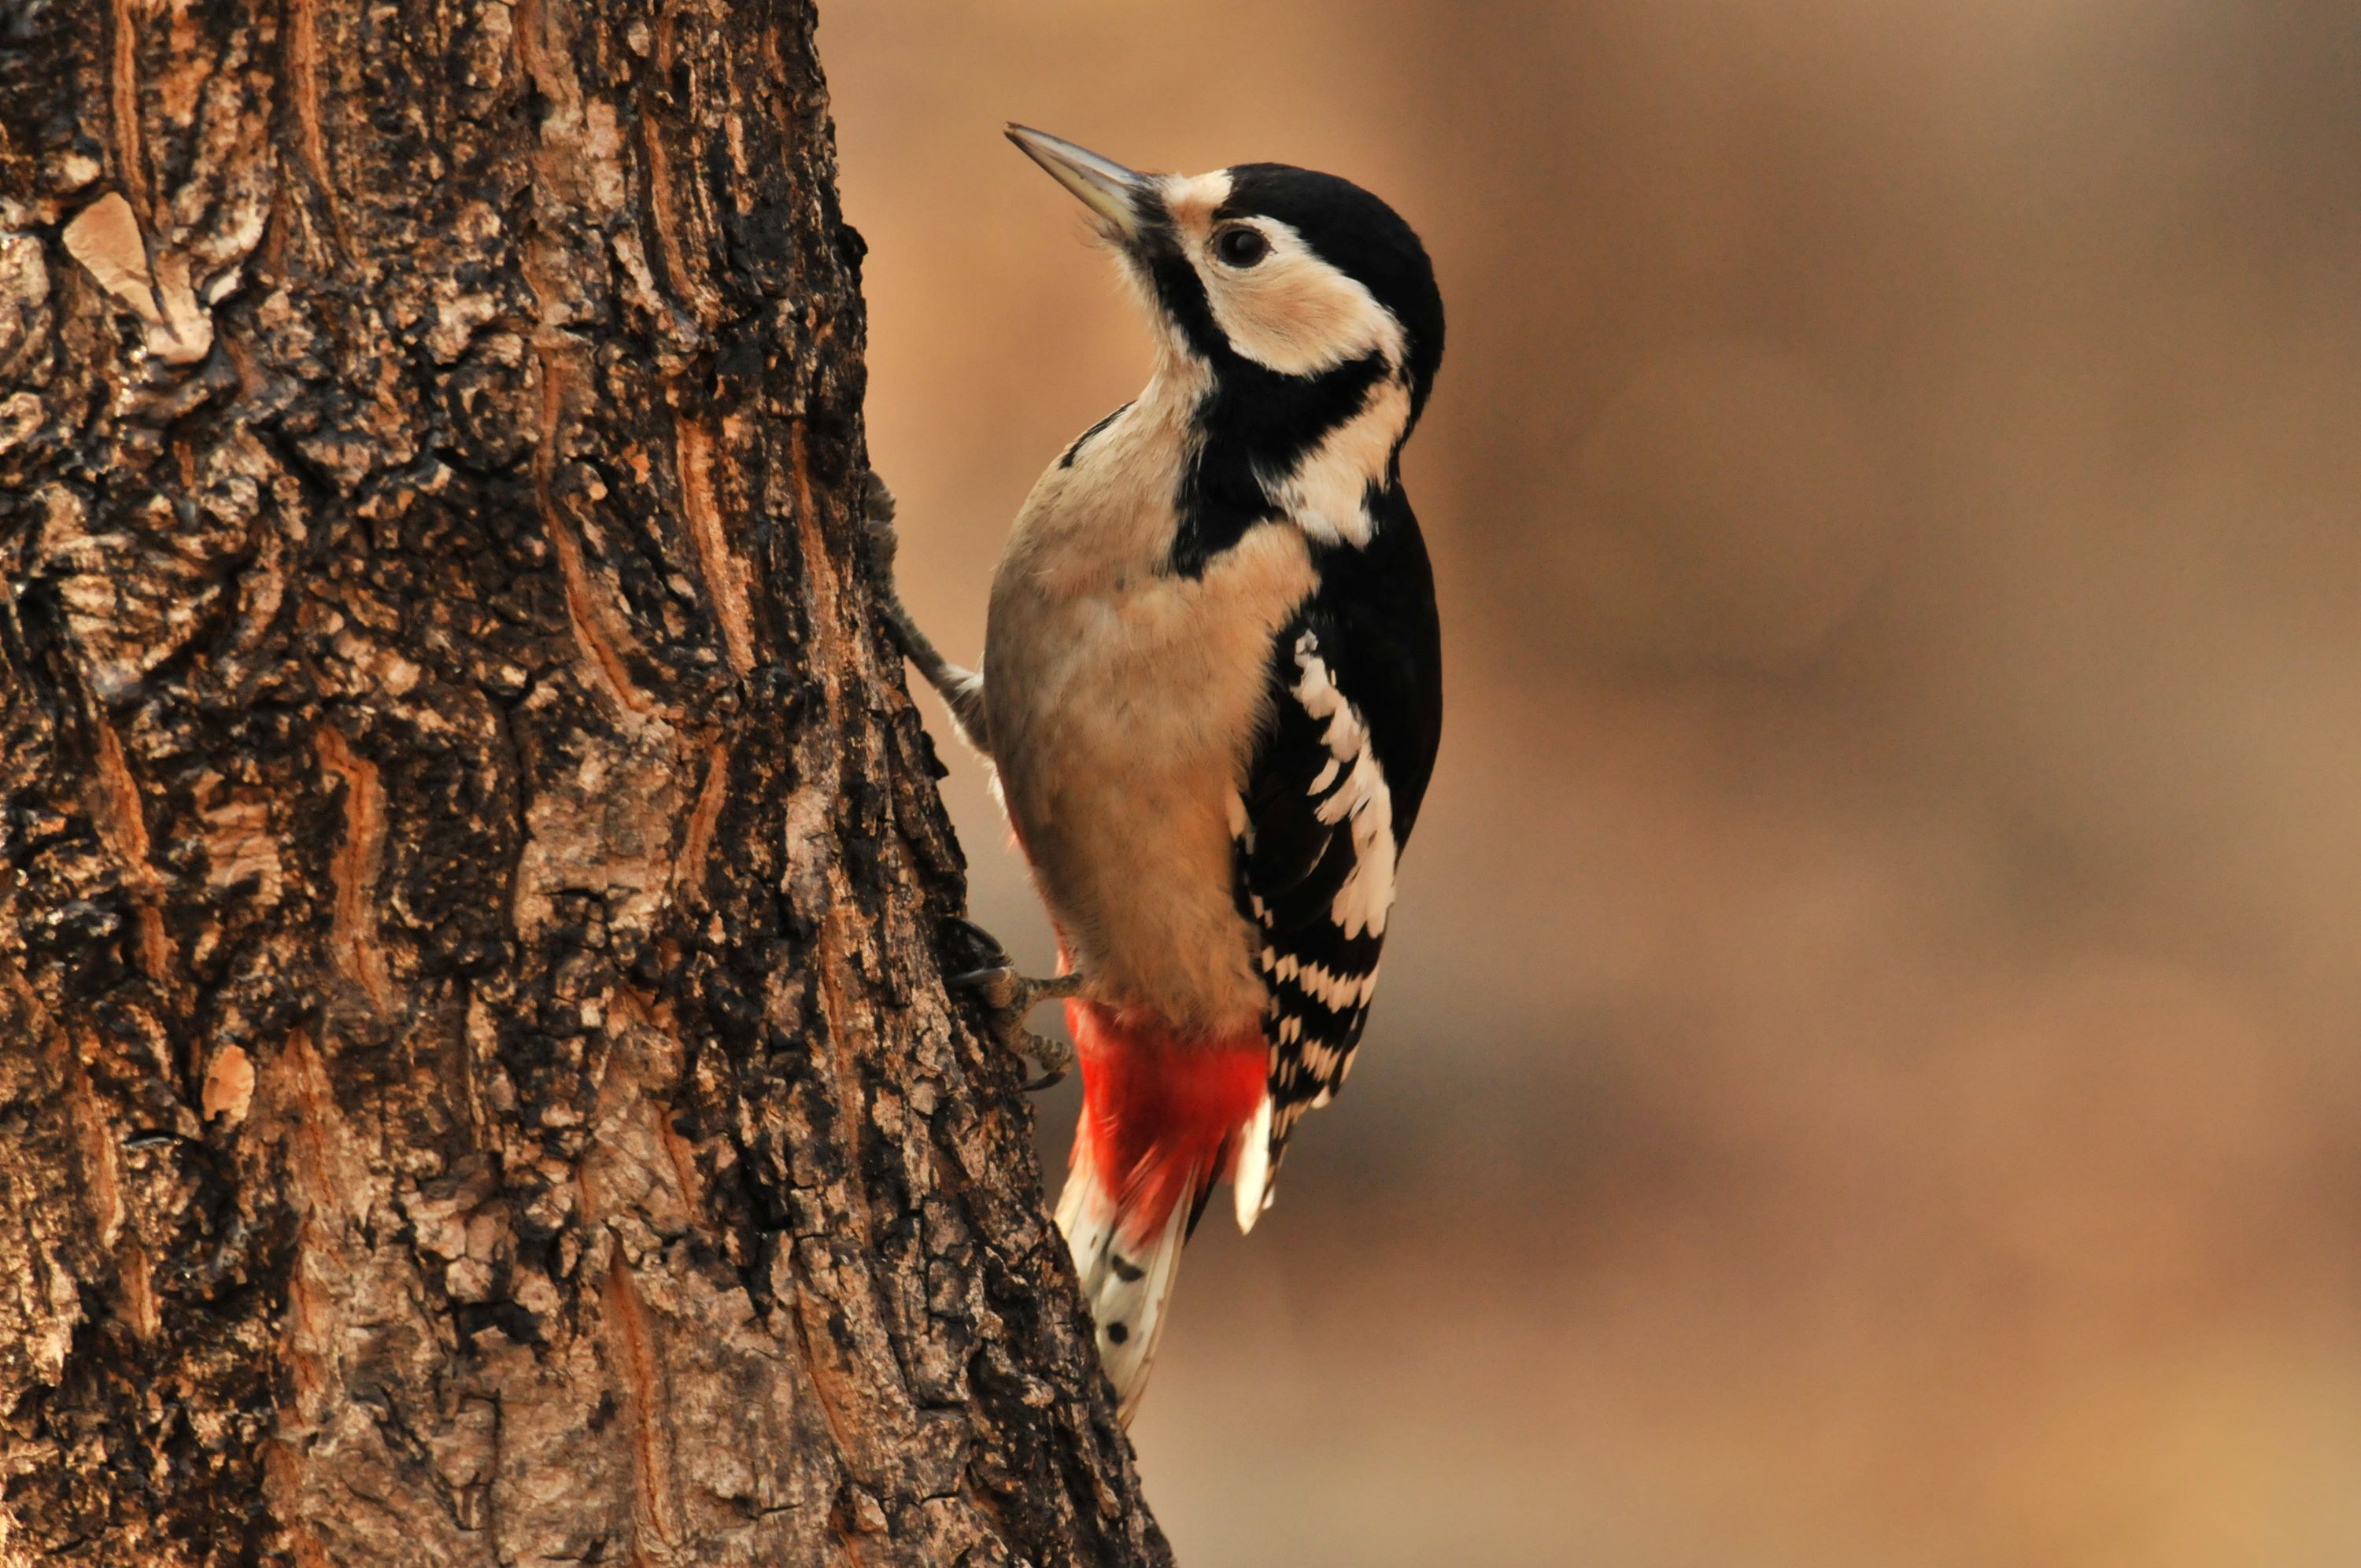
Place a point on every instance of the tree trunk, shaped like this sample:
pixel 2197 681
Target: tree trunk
pixel 476 1085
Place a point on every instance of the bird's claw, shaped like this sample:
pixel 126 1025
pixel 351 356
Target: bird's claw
pixel 989 953
pixel 877 524
pixel 999 988
pixel 1009 996
pixel 1053 1054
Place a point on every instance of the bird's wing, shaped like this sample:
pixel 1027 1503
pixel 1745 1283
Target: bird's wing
pixel 1335 786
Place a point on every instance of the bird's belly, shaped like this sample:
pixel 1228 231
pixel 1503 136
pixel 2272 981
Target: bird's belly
pixel 1122 719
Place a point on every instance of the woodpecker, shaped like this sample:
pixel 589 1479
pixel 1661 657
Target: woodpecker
pixel 1210 695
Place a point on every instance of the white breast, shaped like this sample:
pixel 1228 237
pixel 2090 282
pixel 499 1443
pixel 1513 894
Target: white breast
pixel 1124 701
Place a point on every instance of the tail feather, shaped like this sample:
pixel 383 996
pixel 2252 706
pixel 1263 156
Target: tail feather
pixel 1254 1170
pixel 1161 1122
pixel 1128 1280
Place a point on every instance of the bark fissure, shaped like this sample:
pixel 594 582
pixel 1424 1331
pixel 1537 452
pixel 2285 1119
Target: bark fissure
pixel 353 870
pixel 596 626
pixel 644 1398
pixel 303 82
pixel 123 84
pixel 123 823
pixel 696 839
pixel 724 573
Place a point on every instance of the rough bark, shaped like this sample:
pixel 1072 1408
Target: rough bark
pixel 474 1081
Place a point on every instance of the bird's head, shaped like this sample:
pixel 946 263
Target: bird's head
pixel 1274 276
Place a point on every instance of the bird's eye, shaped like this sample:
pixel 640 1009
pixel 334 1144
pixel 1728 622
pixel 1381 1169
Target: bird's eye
pixel 1239 246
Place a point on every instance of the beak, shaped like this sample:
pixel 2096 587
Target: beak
pixel 1106 187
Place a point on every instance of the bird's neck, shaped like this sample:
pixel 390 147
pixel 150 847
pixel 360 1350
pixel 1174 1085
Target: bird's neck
pixel 1266 448
pixel 1326 487
pixel 1305 449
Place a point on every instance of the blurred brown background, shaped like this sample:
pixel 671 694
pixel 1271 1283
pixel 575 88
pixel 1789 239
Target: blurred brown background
pixel 1866 1068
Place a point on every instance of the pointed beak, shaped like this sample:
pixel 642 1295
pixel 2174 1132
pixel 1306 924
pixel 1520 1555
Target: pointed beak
pixel 1106 187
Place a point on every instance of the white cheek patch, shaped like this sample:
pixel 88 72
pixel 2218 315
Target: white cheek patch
pixel 1293 312
pixel 1298 314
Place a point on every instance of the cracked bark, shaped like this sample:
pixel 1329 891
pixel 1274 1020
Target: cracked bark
pixel 476 1085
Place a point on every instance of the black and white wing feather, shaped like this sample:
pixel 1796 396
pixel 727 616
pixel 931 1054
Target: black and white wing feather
pixel 1356 713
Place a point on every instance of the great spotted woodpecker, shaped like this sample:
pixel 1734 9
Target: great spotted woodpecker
pixel 1212 693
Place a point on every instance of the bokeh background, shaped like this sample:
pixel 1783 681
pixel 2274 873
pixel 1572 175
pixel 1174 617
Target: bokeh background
pixel 1866 1072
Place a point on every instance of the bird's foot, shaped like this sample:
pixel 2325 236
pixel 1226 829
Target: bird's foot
pixel 962 689
pixel 877 526
pixel 1009 996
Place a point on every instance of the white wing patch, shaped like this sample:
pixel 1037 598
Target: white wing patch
pixel 1367 895
pixel 1316 876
